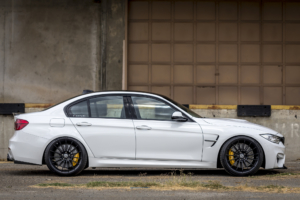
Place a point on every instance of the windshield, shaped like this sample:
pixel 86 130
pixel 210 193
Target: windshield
pixel 183 107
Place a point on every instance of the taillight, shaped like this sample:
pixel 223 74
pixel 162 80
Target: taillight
pixel 20 124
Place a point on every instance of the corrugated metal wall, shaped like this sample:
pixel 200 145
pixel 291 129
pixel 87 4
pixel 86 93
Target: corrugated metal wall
pixel 216 52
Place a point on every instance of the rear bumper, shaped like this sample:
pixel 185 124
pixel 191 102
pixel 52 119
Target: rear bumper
pixel 24 163
pixel 26 148
pixel 10 157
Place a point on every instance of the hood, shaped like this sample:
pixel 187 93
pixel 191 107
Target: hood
pixel 239 123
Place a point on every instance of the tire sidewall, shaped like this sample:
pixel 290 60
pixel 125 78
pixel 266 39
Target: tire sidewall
pixel 227 166
pixel 81 165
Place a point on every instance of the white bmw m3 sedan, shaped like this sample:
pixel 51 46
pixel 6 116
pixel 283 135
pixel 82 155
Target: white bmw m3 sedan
pixel 137 129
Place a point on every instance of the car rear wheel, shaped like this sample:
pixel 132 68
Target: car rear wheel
pixel 241 156
pixel 66 156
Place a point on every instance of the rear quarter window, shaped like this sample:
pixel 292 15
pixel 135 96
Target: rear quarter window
pixel 79 110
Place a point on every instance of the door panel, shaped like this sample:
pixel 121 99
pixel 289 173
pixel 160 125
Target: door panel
pixel 108 138
pixel 105 125
pixel 158 137
pixel 168 140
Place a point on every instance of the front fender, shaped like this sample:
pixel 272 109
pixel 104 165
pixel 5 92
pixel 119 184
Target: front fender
pixel 210 153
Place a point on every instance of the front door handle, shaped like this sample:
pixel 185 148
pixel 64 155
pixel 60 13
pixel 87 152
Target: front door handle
pixel 143 127
pixel 83 124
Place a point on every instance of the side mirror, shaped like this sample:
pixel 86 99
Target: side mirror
pixel 177 116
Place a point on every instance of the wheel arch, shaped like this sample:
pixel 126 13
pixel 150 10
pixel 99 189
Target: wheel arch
pixel 219 165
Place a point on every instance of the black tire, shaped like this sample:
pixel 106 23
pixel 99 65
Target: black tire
pixel 66 156
pixel 241 156
pixel 86 166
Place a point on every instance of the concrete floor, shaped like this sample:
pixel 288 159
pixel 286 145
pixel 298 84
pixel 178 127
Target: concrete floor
pixel 16 182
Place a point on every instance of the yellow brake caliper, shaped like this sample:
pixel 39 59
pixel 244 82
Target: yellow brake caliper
pixel 75 159
pixel 231 157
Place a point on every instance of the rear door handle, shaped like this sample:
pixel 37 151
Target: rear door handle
pixel 143 127
pixel 83 124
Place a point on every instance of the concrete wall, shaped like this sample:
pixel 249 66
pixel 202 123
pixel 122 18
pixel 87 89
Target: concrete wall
pixel 112 36
pixel 286 122
pixel 49 50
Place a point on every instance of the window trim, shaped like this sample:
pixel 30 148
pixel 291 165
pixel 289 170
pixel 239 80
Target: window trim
pixel 128 110
pixel 67 107
pixel 134 115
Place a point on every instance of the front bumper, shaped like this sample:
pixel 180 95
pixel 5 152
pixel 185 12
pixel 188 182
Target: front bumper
pixel 275 156
pixel 284 167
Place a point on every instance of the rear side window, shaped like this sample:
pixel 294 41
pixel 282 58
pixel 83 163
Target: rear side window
pixel 80 110
pixel 99 107
pixel 107 107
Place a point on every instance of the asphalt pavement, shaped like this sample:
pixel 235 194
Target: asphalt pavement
pixel 20 182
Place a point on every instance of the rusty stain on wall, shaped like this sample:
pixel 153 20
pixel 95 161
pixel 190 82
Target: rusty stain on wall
pixel 38 105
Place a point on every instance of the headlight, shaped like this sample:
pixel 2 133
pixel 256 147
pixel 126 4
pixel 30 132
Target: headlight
pixel 271 138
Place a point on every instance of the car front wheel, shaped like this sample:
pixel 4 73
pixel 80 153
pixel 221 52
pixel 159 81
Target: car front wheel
pixel 66 156
pixel 241 156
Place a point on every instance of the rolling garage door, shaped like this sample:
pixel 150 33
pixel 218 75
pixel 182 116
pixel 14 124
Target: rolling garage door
pixel 216 52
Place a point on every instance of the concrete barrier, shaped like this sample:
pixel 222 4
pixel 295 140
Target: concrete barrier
pixel 286 122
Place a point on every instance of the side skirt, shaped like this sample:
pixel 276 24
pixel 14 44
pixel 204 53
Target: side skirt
pixel 107 162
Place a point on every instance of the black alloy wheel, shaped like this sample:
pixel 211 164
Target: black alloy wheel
pixel 66 156
pixel 241 156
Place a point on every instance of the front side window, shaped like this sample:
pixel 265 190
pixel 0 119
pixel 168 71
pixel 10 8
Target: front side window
pixel 152 109
pixel 107 107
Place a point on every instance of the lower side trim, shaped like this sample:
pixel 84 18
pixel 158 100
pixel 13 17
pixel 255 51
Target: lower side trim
pixel 284 167
pixel 98 162
pixel 24 163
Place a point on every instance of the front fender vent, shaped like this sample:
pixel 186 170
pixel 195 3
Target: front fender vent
pixel 212 139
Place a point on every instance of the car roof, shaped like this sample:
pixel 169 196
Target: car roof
pixel 125 91
pixel 91 94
